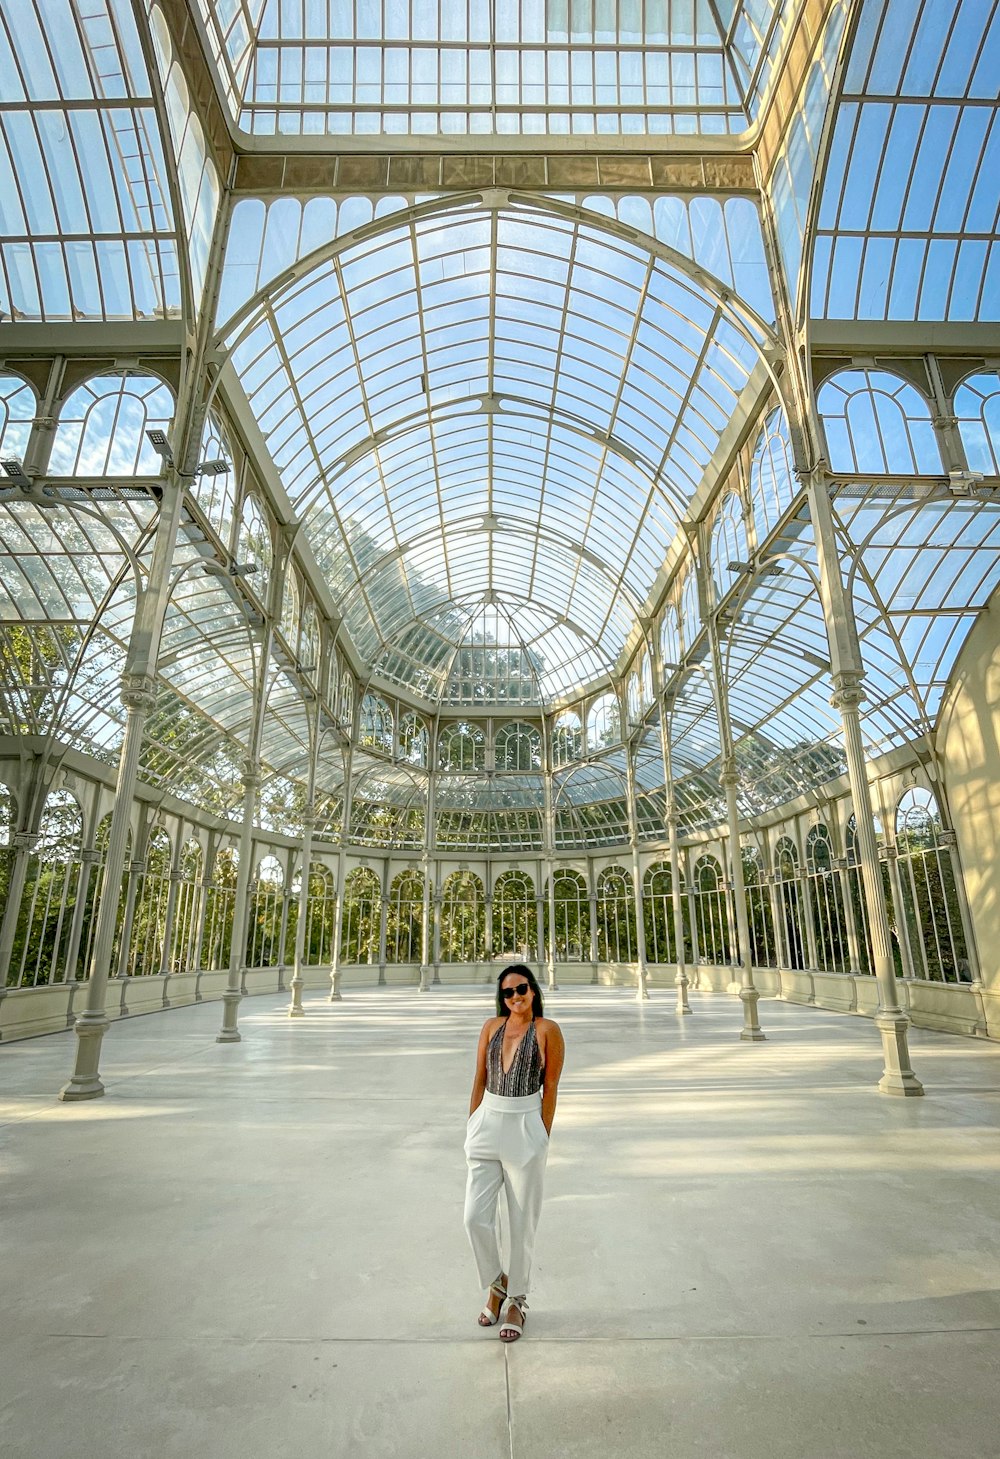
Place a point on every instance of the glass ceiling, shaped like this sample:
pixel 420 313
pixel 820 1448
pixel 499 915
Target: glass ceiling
pixel 481 405
pixel 493 67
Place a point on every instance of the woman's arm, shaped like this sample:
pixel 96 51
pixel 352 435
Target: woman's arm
pixel 479 1083
pixel 554 1054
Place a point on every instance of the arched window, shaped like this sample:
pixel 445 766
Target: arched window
pixel 309 642
pixel 570 939
pixel 876 422
pixel 670 639
pixel 567 738
pixel 463 919
pixel 690 610
pixel 346 699
pixel 711 911
pixel 266 902
pixel 375 730
pixel 772 485
pixel 518 747
pixel 759 919
pixel 103 424
pixel 658 914
pixel 333 683
pixel 101 836
pixel 515 925
pixel 404 918
pixel 604 723
pixel 42 948
pixel 18 407
pixel 977 406
pixel 253 545
pixel 361 917
pixel 290 611
pixel 616 937
pixel 321 911
pixel 930 912
pixel 859 905
pixel 215 491
pixel 184 944
pixel 149 922
pixel 729 543
pixel 462 746
pixel 792 924
pixel 413 740
pixel 220 900
pixel 829 920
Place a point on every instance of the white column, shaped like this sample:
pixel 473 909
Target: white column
pixel 295 1009
pixel 233 996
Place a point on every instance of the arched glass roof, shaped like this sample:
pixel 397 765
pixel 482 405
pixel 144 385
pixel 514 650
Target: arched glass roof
pixel 506 403
pixel 555 67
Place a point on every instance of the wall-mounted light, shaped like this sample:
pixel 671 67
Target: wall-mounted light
pixel 216 467
pixel 14 471
pixel 158 440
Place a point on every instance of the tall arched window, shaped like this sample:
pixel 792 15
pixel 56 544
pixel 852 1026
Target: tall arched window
pixel 404 918
pixel 463 919
pixel 604 723
pixel 321 911
pixel 670 638
pixel 361 917
pixel 103 424
pixel 829 921
pixel 375 728
pixel 977 406
pixel 266 902
pixel 101 837
pixel 42 940
pixel 413 740
pixel 346 699
pixel 149 923
pixel 658 913
pixel 786 864
pixel 711 911
pixel 567 738
pixel 309 643
pixel 729 543
pixel 253 545
pixel 215 491
pixel 690 610
pixel 759 919
pixel 616 935
pixel 515 925
pixel 859 905
pixel 771 483
pixel 645 680
pixel 931 916
pixel 290 611
pixel 18 408
pixel 220 901
pixel 186 921
pixel 876 422
pixel 462 746
pixel 570 939
pixel 518 747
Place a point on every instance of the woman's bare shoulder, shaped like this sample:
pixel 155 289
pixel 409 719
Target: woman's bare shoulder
pixel 492 1024
pixel 548 1025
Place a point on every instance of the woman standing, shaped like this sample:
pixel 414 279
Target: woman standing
pixel 518 1064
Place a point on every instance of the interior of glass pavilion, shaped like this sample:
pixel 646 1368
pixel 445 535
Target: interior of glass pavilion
pixel 489 481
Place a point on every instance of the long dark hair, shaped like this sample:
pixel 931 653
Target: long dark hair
pixel 536 992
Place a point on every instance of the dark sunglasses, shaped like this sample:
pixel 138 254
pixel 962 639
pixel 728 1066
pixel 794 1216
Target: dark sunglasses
pixel 519 988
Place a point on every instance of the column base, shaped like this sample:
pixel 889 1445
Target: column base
pixel 424 986
pixel 85 1082
pixel 229 1033
pixel 682 985
pixel 898 1077
pixel 751 1032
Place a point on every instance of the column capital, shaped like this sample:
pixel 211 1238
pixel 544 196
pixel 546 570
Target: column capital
pixel 176 875
pixel 848 689
pixel 730 776
pixel 250 774
pixel 309 817
pixel 947 838
pixel 136 867
pixel 138 691
pixel 91 857
pixel 26 840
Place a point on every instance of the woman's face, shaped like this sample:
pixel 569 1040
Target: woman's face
pixel 519 1002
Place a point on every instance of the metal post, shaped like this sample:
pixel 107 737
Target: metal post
pixel 295 1009
pixel 383 922
pixel 641 990
pixel 233 996
pixel 681 982
pixel 338 924
pixel 138 695
pixel 425 924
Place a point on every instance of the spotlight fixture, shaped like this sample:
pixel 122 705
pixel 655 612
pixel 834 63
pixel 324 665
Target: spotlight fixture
pixel 737 566
pixel 217 467
pixel 158 440
pixel 243 569
pixel 14 470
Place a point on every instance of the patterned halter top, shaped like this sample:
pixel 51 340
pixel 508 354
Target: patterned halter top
pixel 525 1075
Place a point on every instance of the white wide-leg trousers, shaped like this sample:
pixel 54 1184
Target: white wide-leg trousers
pixel 506 1148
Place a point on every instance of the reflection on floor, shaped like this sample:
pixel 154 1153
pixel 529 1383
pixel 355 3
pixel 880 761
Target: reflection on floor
pixel 257 1250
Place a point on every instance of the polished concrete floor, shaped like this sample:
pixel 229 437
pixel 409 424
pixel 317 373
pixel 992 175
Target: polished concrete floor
pixel 256 1251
